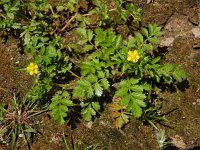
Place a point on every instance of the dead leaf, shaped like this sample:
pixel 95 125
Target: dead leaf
pixel 114 107
pixel 118 123
pixel 121 120
pixel 115 114
pixel 116 99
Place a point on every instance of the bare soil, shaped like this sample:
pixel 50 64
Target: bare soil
pixel 180 22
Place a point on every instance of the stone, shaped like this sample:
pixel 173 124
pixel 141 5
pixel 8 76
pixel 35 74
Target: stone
pixel 167 41
pixel 196 32
pixel 178 24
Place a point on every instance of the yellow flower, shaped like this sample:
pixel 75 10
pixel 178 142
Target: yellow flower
pixel 133 56
pixel 32 69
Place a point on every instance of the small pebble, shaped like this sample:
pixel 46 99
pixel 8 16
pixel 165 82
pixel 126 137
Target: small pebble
pixel 20 135
pixel 89 124
pixel 196 32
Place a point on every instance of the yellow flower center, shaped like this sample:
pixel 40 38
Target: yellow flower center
pixel 32 69
pixel 133 56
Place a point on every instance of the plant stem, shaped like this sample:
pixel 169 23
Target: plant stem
pixel 74 74
pixel 2 15
pixel 51 10
pixel 68 22
pixel 65 141
pixel 37 113
pixel 153 124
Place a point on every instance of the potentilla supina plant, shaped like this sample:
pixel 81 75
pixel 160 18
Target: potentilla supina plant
pixel 133 56
pixel 32 69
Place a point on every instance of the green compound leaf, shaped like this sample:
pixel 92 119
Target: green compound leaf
pixel 137 88
pixel 133 81
pixel 148 47
pixel 145 32
pixel 125 100
pixel 132 96
pixel 82 32
pixel 154 30
pixel 87 68
pixel 168 72
pixel 100 36
pixel 147 87
pixel 90 35
pixel 155 60
pixel 83 89
pixel 89 87
pixel 154 40
pixel 179 74
pixel 96 106
pixel 131 43
pixel 137 95
pixel 139 38
pixel 118 41
pixel 167 68
pixel 59 107
pixel 101 74
pixel 58 114
pixel 87 48
pixel 123 83
pixel 135 109
pixel 98 89
pixel 122 92
pixel 89 110
pixel 51 51
pixel 16 25
pixel 92 78
pixel 105 84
